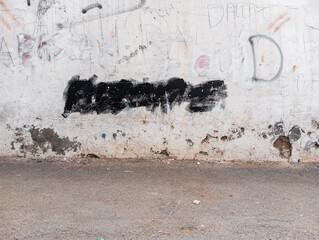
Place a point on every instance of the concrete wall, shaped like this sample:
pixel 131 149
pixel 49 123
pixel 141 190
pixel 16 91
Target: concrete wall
pixel 204 79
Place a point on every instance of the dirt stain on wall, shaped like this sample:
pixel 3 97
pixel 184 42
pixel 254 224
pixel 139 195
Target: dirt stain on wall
pixel 47 138
pixel 42 139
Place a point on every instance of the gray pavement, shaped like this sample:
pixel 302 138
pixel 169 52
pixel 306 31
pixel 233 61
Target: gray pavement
pixel 131 199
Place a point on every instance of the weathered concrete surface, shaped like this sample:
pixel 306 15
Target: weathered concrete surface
pixel 116 199
pixel 248 71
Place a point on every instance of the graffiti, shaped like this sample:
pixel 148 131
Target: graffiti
pixel 5 54
pixel 25 47
pixel 132 54
pixel 202 64
pixel 215 15
pixel 108 49
pixel 120 10
pixel 164 43
pixel 47 47
pixel 29 2
pixel 108 53
pixel 230 12
pixel 81 48
pixel 85 96
pixel 91 6
pixel 255 39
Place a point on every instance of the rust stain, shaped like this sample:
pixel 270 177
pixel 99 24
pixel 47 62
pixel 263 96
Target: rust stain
pixel 5 23
pixel 4 5
pixel 294 68
pixel 282 23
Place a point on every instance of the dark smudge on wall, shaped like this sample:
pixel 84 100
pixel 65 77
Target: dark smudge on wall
pixel 86 96
pixel 47 138
pixel 43 139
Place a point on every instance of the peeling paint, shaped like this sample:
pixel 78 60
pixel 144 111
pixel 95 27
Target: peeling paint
pixel 207 138
pixel 278 128
pixel 295 134
pixel 283 145
pixel 190 142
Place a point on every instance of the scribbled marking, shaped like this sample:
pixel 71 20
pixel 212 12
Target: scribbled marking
pixel 215 15
pixel 258 37
pixel 5 54
pixel 100 16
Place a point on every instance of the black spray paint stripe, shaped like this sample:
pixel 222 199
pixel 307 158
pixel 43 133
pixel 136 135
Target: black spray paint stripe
pixel 91 6
pixel 100 16
pixel 85 96
pixel 29 2
pixel 259 36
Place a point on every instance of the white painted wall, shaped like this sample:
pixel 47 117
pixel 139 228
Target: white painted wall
pixel 46 43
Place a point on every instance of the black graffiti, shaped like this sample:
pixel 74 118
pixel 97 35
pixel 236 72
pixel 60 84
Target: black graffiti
pixel 87 96
pixel 259 36
pixel 29 2
pixel 91 6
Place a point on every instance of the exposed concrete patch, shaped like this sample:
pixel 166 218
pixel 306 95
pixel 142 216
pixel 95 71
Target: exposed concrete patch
pixel 43 139
pixel 295 134
pixel 315 124
pixel 19 143
pixel 224 138
pixel 283 145
pixel 89 155
pixel 236 133
pixel 263 135
pixel 163 152
pixel 310 144
pixel 233 134
pixel 190 142
pixel 46 139
pixel 207 138
pixel 279 128
pixel 203 153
